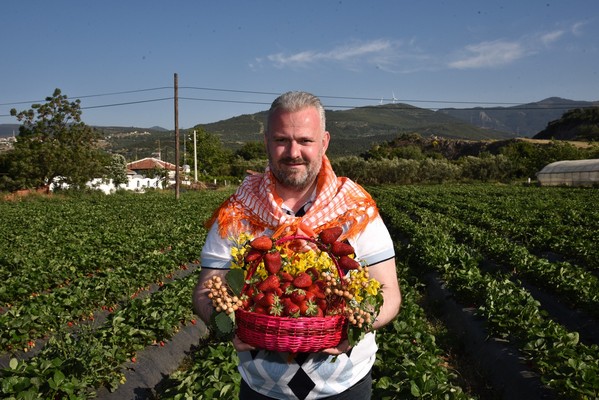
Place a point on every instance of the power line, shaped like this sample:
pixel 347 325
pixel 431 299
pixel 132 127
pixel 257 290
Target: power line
pixel 519 106
pixel 91 95
pixel 126 103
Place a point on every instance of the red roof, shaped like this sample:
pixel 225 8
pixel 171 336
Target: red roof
pixel 150 163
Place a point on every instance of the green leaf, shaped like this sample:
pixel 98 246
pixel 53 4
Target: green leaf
pixel 236 280
pixel 414 389
pixel 223 325
pixel 13 363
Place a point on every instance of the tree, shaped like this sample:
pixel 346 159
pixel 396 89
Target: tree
pixel 213 158
pixel 54 145
pixel 252 151
pixel 117 170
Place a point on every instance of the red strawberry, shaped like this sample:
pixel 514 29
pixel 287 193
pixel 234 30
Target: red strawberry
pixel 258 309
pixel 317 290
pixel 298 296
pixel 330 235
pixel 313 273
pixel 272 262
pixel 291 310
pixel 258 297
pixel 322 304
pixel 347 263
pixel 302 280
pixel 269 284
pixel 285 286
pixel 286 276
pixel 252 255
pixel 310 296
pixel 342 249
pixel 285 301
pixel 261 243
pixel 269 300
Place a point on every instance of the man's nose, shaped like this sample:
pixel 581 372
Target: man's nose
pixel 293 149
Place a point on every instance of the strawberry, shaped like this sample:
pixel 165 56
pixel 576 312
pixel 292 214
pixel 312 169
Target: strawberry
pixel 341 249
pixel 322 304
pixel 258 309
pixel 269 284
pixel 291 310
pixel 252 255
pixel 310 309
pixel 257 299
pixel 347 263
pixel 269 300
pixel 298 296
pixel 285 301
pixel 261 243
pixel 272 262
pixel 310 296
pixel 285 286
pixel 302 280
pixel 286 276
pixel 330 235
pixel 313 273
pixel 317 290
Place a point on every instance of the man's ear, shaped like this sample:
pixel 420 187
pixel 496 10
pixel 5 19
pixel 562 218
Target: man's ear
pixel 326 138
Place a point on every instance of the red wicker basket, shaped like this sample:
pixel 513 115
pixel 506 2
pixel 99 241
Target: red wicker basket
pixel 286 334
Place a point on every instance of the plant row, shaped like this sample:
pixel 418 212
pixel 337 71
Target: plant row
pixel 510 312
pixel 76 362
pixel 573 283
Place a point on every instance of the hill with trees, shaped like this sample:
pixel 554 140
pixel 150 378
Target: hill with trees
pixel 579 124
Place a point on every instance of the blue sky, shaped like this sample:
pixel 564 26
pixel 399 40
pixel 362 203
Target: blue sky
pixel 233 57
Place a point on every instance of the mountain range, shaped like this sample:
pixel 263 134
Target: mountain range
pixel 354 131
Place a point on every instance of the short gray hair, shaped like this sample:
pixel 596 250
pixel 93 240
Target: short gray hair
pixel 295 101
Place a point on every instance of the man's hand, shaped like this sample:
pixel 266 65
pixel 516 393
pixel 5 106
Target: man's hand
pixel 241 345
pixel 342 347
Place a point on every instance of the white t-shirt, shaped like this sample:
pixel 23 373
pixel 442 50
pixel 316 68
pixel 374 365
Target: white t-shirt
pixel 313 375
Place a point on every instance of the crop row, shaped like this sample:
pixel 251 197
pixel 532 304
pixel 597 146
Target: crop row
pixel 73 259
pixel 73 364
pixel 150 238
pixel 568 366
pixel 574 283
pixel 560 220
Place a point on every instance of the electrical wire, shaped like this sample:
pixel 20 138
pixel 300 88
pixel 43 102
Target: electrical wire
pixel 397 104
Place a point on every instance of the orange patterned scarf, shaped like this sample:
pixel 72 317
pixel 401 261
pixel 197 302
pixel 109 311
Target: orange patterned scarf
pixel 255 203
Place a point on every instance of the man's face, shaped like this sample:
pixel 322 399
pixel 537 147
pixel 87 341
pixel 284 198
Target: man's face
pixel 295 145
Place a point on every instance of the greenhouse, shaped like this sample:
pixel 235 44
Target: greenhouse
pixel 570 173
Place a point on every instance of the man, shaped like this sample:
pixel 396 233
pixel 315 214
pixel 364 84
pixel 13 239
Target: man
pixel 299 193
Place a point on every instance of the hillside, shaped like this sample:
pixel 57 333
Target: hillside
pixel 578 124
pixel 356 130
pixel 522 120
pixel 353 131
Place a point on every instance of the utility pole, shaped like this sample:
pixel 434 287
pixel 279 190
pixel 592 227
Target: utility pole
pixel 195 157
pixel 176 137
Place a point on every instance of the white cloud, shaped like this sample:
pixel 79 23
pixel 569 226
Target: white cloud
pixel 353 52
pixel 490 54
pixel 551 37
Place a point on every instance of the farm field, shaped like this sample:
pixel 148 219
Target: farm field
pixel 500 287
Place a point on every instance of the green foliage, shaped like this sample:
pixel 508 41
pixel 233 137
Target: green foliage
pixel 54 143
pixel 577 124
pixel 213 159
pixel 252 151
pixel 117 170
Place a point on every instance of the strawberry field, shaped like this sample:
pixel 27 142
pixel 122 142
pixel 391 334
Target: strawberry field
pixel 500 296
